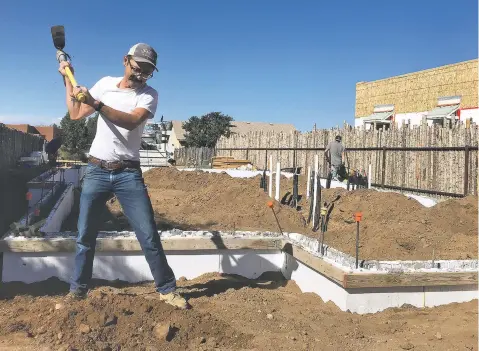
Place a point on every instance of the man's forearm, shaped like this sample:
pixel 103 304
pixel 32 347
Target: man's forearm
pixel 72 105
pixel 121 119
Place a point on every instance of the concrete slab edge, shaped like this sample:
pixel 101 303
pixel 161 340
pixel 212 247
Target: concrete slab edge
pixel 311 245
pixel 348 262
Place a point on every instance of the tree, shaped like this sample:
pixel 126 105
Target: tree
pixel 91 128
pixel 205 131
pixel 74 135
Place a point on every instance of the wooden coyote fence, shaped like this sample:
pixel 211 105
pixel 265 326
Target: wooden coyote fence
pixel 194 157
pixel 15 144
pixel 434 160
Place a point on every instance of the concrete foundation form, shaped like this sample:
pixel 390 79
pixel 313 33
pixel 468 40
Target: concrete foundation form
pixel 249 254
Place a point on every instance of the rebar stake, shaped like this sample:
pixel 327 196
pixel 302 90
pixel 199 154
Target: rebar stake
pixel 324 211
pixel 357 217
pixel 270 205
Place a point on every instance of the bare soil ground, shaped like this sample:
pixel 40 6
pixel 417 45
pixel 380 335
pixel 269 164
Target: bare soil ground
pixel 393 227
pixel 228 313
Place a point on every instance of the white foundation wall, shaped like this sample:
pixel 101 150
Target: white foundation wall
pixel 309 280
pixel 372 300
pixel 441 295
pixel 133 268
pixel 60 211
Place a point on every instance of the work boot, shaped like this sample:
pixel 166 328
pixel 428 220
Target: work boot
pixel 75 296
pixel 175 299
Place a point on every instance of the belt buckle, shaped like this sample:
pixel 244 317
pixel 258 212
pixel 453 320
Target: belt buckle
pixel 105 164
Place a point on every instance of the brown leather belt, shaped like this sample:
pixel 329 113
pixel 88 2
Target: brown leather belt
pixel 114 165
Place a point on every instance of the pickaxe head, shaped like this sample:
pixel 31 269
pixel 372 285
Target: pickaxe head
pixel 58 35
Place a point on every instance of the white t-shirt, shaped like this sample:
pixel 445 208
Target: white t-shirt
pixel 113 143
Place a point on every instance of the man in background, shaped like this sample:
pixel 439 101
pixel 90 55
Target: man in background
pixel 335 155
pixel 51 148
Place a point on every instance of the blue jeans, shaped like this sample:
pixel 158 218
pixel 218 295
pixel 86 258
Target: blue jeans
pixel 130 189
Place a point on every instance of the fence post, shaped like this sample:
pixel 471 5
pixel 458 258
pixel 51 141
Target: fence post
pixel 466 170
pixel 383 175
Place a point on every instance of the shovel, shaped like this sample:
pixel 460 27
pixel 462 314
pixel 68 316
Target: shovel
pixel 58 35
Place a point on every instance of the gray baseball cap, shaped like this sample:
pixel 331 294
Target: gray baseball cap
pixel 142 52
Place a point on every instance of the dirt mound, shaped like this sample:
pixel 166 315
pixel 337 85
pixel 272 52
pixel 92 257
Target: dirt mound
pixel 393 227
pixel 228 313
pixel 215 201
pixel 397 227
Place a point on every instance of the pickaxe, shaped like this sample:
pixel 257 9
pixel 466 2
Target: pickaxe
pixel 58 35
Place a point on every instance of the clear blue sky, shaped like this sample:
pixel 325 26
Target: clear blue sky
pixel 256 60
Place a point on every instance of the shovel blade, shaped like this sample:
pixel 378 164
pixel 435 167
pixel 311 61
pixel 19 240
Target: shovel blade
pixel 58 35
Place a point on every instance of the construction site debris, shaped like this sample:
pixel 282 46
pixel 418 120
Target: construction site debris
pixel 224 316
pixel 227 162
pixel 19 229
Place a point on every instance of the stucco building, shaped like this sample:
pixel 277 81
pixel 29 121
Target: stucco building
pixel 447 92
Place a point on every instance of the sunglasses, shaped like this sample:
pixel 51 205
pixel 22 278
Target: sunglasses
pixel 137 70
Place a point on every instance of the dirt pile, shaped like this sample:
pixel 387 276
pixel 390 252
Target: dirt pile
pixel 393 227
pixel 228 313
pixel 397 227
pixel 201 200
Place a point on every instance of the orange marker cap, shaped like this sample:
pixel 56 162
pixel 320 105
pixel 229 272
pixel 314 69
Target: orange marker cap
pixel 358 216
pixel 270 204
